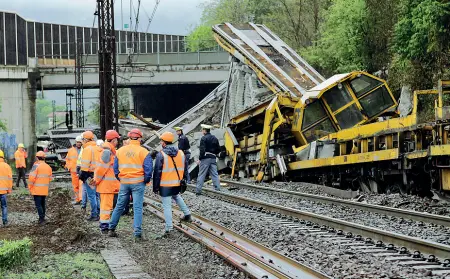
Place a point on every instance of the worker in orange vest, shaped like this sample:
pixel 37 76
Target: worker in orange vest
pixel 89 160
pixel 105 180
pixel 6 182
pixel 39 179
pixel 133 168
pixel 170 166
pixel 20 155
pixel 71 166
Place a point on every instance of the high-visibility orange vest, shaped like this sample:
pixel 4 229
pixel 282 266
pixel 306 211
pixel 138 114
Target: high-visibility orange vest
pixel 71 159
pixel 6 180
pixel 19 155
pixel 39 179
pixel 90 156
pixel 104 173
pixel 131 160
pixel 169 176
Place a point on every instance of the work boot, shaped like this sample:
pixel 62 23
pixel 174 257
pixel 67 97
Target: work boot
pixel 5 224
pixel 93 219
pixel 198 194
pixel 83 209
pixel 42 222
pixel 104 232
pixel 76 202
pixel 138 238
pixel 112 233
pixel 187 218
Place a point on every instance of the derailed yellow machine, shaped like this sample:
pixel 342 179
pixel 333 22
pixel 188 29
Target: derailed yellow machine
pixel 343 131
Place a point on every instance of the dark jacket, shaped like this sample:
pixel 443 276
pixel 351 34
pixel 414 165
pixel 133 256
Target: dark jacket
pixel 159 162
pixel 183 144
pixel 210 144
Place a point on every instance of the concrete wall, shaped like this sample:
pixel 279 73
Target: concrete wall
pixel 18 108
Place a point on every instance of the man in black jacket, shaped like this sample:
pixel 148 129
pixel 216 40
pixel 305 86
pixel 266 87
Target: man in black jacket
pixel 209 148
pixel 183 145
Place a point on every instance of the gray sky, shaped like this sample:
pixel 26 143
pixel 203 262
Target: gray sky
pixel 172 16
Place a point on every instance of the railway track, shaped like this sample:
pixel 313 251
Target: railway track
pixel 401 213
pixel 252 258
pixel 410 251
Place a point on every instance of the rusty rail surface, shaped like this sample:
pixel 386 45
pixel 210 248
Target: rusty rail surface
pixel 401 213
pixel 252 258
pixel 413 243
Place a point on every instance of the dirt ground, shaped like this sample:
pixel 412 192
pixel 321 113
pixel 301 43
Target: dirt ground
pixel 66 231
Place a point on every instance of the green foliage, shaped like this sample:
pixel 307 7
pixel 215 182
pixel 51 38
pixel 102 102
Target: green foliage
pixel 200 39
pixel 64 266
pixel 340 47
pixel 43 109
pixel 20 192
pixel 2 123
pixel 14 253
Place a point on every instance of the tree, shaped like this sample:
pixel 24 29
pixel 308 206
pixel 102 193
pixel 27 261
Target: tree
pixel 43 109
pixel 421 42
pixel 123 107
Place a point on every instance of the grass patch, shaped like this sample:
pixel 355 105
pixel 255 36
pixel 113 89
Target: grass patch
pixel 14 253
pixel 21 192
pixel 62 266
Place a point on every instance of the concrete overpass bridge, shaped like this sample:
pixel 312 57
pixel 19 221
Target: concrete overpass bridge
pixel 36 55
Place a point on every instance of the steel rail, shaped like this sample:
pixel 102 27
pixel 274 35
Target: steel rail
pixel 252 258
pixel 402 213
pixel 413 243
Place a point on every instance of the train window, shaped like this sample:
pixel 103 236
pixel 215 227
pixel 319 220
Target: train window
pixel 337 97
pixel 313 113
pixel 376 102
pixel 319 130
pixel 363 84
pixel 349 117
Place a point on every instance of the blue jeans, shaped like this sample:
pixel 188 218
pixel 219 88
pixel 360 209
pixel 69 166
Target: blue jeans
pixel 39 201
pixel 84 196
pixel 4 208
pixel 137 191
pixel 208 165
pixel 188 176
pixel 93 200
pixel 167 206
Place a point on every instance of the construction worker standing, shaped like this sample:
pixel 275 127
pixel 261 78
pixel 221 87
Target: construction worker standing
pixel 133 168
pixel 183 145
pixel 169 170
pixel 5 186
pixel 209 148
pixel 39 179
pixel 20 155
pixel 71 165
pixel 89 159
pixel 105 180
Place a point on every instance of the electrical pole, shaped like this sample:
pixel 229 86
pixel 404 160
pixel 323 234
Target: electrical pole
pixel 69 112
pixel 107 67
pixel 79 109
pixel 54 114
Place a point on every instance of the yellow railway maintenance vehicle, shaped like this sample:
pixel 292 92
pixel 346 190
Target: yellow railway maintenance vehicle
pixel 342 132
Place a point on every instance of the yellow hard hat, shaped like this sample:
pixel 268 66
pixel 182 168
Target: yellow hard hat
pixel 167 137
pixel 178 128
pixel 2 155
pixel 21 145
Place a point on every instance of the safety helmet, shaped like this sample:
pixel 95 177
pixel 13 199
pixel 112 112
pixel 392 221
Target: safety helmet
pixel 79 139
pixel 111 134
pixel 21 145
pixel 167 137
pixel 88 135
pixel 178 128
pixel 2 155
pixel 100 142
pixel 135 133
pixel 40 154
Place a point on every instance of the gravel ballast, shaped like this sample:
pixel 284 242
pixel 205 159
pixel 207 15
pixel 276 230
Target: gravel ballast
pixel 325 255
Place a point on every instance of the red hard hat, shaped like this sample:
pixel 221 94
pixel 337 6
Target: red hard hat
pixel 135 133
pixel 111 134
pixel 40 154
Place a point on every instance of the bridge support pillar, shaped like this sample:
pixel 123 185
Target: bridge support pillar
pixel 18 110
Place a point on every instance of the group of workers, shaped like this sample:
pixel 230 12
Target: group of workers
pixel 109 177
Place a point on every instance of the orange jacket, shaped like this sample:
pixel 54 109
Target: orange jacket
pixel 71 159
pixel 39 179
pixel 130 160
pixel 20 156
pixel 6 180
pixel 169 176
pixel 104 173
pixel 90 156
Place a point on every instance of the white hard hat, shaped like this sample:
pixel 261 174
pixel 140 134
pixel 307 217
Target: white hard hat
pixel 100 142
pixel 79 139
pixel 205 126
